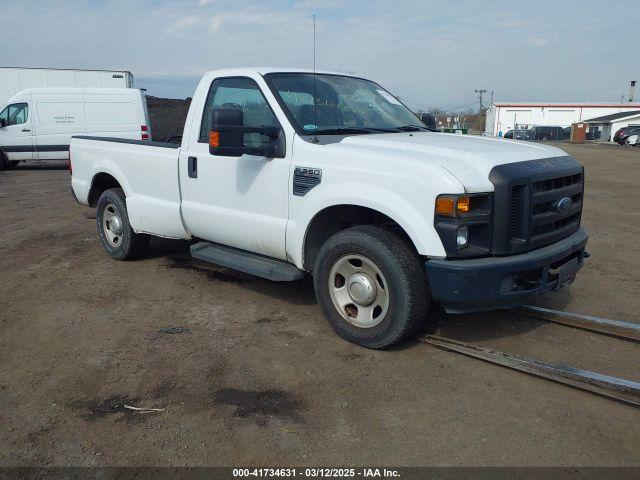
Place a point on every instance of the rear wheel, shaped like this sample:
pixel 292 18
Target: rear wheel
pixel 4 163
pixel 371 286
pixel 114 229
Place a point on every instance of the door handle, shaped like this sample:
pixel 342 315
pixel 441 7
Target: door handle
pixel 26 130
pixel 192 167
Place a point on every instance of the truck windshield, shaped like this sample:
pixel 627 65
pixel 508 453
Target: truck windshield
pixel 343 105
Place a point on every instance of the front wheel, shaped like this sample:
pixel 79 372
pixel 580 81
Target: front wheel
pixel 371 286
pixel 114 229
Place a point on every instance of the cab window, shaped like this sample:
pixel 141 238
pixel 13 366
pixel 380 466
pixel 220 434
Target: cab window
pixel 241 94
pixel 16 114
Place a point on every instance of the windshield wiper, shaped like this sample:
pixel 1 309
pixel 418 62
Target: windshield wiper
pixel 413 128
pixel 348 130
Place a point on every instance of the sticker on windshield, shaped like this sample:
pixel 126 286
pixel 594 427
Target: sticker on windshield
pixel 310 127
pixel 388 97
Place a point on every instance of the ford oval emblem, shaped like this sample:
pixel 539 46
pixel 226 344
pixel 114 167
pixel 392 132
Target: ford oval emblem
pixel 564 204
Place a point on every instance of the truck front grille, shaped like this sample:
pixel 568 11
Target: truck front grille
pixel 537 203
pixel 548 222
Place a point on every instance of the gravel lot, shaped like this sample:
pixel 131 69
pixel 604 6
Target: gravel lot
pixel 261 379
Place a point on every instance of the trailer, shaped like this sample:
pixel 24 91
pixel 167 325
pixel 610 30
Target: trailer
pixel 15 79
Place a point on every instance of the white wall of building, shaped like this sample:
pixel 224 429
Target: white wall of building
pixel 13 80
pixel 501 117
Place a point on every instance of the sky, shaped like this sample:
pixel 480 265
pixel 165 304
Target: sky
pixel 430 54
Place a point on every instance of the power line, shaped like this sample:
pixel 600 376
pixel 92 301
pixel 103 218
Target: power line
pixel 480 92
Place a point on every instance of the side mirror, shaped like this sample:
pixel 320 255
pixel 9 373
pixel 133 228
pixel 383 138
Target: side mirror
pixel 226 136
pixel 429 120
pixel 3 123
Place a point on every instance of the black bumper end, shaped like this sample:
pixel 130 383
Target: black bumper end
pixel 496 282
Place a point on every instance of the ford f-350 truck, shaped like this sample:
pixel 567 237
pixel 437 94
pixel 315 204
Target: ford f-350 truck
pixel 283 173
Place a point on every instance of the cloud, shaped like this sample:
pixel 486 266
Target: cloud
pixel 182 24
pixel 539 42
pixel 429 53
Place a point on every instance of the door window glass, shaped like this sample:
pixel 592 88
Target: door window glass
pixel 4 115
pixel 241 94
pixel 17 113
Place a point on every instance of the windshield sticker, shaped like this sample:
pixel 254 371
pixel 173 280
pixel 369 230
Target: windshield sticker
pixel 388 97
pixel 310 127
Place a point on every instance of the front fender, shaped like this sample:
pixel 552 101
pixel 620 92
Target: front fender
pixel 415 219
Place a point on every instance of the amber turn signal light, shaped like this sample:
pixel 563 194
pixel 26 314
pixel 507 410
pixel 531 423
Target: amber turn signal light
pixel 214 139
pixel 445 205
pixel 464 205
pixel 453 206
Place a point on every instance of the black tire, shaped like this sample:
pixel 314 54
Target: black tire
pixel 408 291
pixel 11 164
pixel 127 245
pixel 4 163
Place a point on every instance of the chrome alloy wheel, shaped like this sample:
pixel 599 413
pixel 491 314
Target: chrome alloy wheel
pixel 112 225
pixel 359 291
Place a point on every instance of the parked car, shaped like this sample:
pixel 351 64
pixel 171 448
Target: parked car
pixel 520 134
pixel 38 123
pixel 543 133
pixel 633 140
pixel 623 133
pixel 346 185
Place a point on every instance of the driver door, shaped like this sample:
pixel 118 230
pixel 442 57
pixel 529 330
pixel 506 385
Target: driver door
pixel 238 201
pixel 16 134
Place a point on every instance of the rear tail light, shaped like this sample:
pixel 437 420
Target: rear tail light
pixel 145 132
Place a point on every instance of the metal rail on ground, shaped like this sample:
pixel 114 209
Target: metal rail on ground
pixel 614 388
pixel 617 328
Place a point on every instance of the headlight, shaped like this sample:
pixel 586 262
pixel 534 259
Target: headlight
pixel 464 223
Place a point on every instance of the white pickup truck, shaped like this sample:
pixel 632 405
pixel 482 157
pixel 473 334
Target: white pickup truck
pixel 285 172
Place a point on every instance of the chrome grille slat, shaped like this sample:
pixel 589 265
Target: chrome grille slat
pixel 545 223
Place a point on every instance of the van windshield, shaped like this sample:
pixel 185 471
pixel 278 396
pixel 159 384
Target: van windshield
pixel 343 105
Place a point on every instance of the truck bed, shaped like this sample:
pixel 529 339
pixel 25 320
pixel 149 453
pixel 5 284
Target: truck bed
pixel 127 140
pixel 146 171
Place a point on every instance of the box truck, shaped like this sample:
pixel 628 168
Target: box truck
pixel 15 79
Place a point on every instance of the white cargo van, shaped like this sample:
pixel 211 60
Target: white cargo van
pixel 38 123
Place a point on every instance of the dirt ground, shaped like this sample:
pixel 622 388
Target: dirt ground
pixel 261 379
pixel 167 116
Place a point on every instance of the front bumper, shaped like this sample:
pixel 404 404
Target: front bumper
pixel 494 282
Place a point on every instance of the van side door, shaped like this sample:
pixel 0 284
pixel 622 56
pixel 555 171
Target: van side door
pixel 57 117
pixel 16 132
pixel 239 201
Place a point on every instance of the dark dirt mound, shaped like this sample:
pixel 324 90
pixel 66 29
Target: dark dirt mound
pixel 167 116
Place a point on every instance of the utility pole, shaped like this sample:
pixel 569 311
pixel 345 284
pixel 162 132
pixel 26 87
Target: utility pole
pixel 481 92
pixel 632 88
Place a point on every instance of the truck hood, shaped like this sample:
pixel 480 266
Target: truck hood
pixel 468 158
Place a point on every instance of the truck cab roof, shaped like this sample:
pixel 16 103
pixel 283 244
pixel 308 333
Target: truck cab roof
pixel 266 70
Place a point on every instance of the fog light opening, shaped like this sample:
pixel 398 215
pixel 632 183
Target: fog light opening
pixel 462 237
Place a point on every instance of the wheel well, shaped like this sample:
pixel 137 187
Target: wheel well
pixel 100 183
pixel 339 217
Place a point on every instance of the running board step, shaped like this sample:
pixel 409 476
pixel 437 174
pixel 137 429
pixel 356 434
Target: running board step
pixel 247 262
